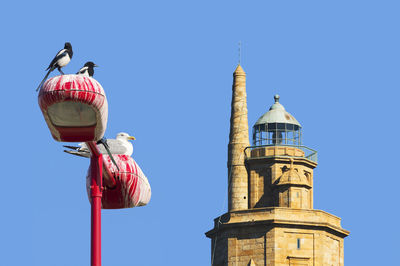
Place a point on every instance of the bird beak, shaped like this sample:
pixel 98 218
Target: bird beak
pixel 131 138
pixel 95 65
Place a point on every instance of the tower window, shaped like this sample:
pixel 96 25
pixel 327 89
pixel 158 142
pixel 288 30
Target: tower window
pixel 298 243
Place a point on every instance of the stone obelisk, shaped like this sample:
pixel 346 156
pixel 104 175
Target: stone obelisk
pixel 238 141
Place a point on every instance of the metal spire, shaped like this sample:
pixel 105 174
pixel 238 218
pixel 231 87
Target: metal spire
pixel 240 51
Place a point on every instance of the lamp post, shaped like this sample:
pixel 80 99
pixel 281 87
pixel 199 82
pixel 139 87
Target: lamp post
pixel 75 109
pixel 96 192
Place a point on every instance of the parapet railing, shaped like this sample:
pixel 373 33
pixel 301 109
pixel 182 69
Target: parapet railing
pixel 309 153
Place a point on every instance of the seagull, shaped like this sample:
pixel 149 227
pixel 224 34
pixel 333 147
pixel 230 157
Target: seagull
pixel 87 69
pixel 120 145
pixel 61 59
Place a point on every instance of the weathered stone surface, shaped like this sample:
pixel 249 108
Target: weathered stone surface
pixel 238 141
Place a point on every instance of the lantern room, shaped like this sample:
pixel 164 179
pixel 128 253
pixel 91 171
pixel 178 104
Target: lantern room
pixel 277 127
pixel 75 108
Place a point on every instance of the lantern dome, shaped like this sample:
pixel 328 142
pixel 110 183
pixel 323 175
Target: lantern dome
pixel 277 127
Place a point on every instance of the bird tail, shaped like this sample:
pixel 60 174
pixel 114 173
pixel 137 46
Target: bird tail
pixel 79 153
pixel 72 147
pixel 44 79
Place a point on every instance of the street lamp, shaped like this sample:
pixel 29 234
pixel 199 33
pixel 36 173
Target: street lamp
pixel 75 109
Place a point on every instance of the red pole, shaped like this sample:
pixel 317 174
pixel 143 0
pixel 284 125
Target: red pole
pixel 96 189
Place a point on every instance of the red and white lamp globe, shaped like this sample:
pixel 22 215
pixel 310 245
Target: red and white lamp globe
pixel 125 187
pixel 75 108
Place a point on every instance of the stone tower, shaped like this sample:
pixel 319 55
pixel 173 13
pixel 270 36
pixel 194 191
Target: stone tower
pixel 270 218
pixel 238 141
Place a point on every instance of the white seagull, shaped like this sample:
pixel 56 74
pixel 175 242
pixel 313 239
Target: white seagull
pixel 119 145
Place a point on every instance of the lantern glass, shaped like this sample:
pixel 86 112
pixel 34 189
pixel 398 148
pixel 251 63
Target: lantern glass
pixel 72 114
pixel 277 134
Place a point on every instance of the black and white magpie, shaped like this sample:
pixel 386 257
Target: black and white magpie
pixel 61 59
pixel 87 70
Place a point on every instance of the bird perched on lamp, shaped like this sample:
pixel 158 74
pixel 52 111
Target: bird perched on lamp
pixel 61 59
pixel 87 70
pixel 119 145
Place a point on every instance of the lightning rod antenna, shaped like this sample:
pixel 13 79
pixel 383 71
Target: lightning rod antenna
pixel 240 52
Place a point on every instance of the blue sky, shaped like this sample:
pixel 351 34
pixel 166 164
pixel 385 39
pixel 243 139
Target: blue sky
pixel 167 69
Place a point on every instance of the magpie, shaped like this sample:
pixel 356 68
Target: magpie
pixel 87 69
pixel 61 59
